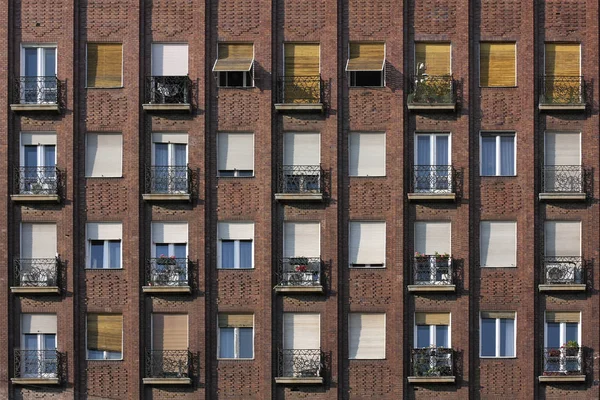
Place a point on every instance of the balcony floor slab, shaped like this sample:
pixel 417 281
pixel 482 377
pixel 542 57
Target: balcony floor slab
pixel 431 196
pixel 166 197
pixel 562 378
pixel 431 379
pixel 41 198
pixel 166 289
pixel 43 290
pixel 185 107
pixel 35 107
pixel 299 289
pixel 431 288
pixel 562 196
pixel 167 381
pixel 35 381
pixel 315 380
pixel 571 287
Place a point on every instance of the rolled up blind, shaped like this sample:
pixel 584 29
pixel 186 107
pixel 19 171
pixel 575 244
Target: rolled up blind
pixel 498 244
pixel 562 238
pixel 432 318
pixel 431 237
pixel 105 332
pixel 170 232
pixel 366 336
pixel 301 331
pixel 366 57
pixel 563 316
pixel 497 66
pixel 367 242
pixel 301 59
pixel 435 57
pixel 35 138
pixel 104 64
pixel 38 240
pixel 301 239
pixel 235 230
pixel 234 57
pixel 38 323
pixel 104 230
pixel 236 320
pixel 169 331
pixel 498 314
pixel 168 137
pixel 236 151
pixel 169 59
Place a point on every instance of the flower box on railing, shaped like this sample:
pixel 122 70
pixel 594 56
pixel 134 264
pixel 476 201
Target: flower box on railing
pixel 563 364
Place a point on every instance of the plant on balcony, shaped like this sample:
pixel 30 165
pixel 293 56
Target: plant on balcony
pixel 164 260
pixel 571 348
pixel 441 257
pixel 554 353
pixel 300 263
pixel 421 257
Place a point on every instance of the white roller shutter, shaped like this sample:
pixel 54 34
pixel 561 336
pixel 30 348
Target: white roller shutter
pixel 301 331
pixel 562 238
pixel 36 138
pixel 38 240
pixel 431 237
pixel 166 137
pixel 170 232
pixel 236 151
pixel 235 230
pixel 366 336
pixel 367 242
pixel 103 155
pixel 104 230
pixel 498 244
pixel 169 59
pixel 562 148
pixel 301 148
pixel 38 323
pixel 301 239
pixel 367 154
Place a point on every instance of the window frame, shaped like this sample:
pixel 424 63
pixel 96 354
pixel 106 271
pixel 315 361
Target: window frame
pixel 245 74
pixel 497 338
pixel 40 59
pixel 236 253
pixel 122 66
pixel 516 243
pixel 432 146
pixel 88 247
pixel 352 74
pixel 563 329
pixel 236 342
pixel 368 266
pixel 498 152
pixel 237 173
pixel 105 353
pixel 432 333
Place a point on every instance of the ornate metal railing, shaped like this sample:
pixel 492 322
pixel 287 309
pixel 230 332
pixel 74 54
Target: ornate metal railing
pixel 300 179
pixel 36 272
pixel 168 179
pixel 168 89
pixel 562 178
pixel 36 90
pixel 168 364
pixel 433 179
pixel 300 363
pixel 562 90
pixel 563 361
pixel 299 271
pixel 432 270
pixel 299 89
pixel 432 361
pixel 167 271
pixel 42 364
pixel 563 270
pixel 37 180
pixel 432 90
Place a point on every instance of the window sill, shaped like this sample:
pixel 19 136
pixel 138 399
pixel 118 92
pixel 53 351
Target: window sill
pixel 236 177
pixel 236 87
pixel 368 176
pixel 235 269
pixel 497 176
pixel 235 359
pixel 108 87
pixel 103 360
pixel 104 177
pixel 497 267
pixel 365 268
pixel 498 358
pixel 103 269
pixel 367 359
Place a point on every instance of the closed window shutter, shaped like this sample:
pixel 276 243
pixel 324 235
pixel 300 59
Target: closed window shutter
pixel 236 320
pixel 431 237
pixel 301 239
pixel 562 238
pixel 234 57
pixel 498 244
pixel 562 148
pixel 35 138
pixel 105 332
pixel 366 336
pixel 301 59
pixel 38 323
pixel 562 59
pixel 38 240
pixel 103 155
pixel 432 318
pixel 301 331
pixel 169 331
pixel 235 230
pixel 169 59
pixel 435 57
pixel 236 151
pixel 367 242
pixel 104 230
pixel 563 316
pixel 170 232
pixel 301 148
pixel 366 57
pixel 367 154
pixel 497 64
pixel 168 137
pixel 104 64
pixel 498 314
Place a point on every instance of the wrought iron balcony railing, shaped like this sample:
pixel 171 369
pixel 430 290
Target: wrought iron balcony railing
pixel 36 90
pixel 168 364
pixel 432 90
pixel 301 179
pixel 37 180
pixel 167 271
pixel 563 361
pixel 38 364
pixel 562 179
pixel 36 272
pixel 299 271
pixel 168 179
pixel 562 270
pixel 168 89
pixel 562 90
pixel 300 363
pixel 432 361
pixel 433 179
pixel 432 270
pixel 300 89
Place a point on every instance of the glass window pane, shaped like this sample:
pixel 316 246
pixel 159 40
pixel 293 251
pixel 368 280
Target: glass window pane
pixel 161 154
pixel 226 343
pixel 488 337
pixel 572 332
pixel 114 250
pixel 246 173
pixel 245 253
pixel 246 343
pixel 49 341
pixel 161 249
pixel 180 250
pixel 507 337
pixel 49 156
pixel 180 155
pixel 488 155
pixel 507 155
pixel 49 62
pixel 30 341
pixel 226 173
pixel 423 336
pixel 113 355
pixel 31 61
pixel 227 252
pixel 553 334
pixel 95 355
pixel 96 253
pixel 441 336
pixel 442 150
pixel 30 156
pixel 423 150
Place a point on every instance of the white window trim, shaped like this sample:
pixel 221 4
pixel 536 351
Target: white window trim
pixel 432 334
pixel 563 331
pixel 106 256
pixel 105 353
pixel 432 147
pixel 497 341
pixel 236 254
pixel 40 65
pixel 170 153
pixel 236 343
pixel 498 167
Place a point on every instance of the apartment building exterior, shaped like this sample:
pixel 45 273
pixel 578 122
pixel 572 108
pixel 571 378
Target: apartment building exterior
pixel 299 199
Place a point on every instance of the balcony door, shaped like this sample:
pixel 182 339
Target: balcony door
pixel 562 162
pixel 169 356
pixel 301 162
pixel 169 162
pixel 169 251
pixel 38 346
pixel 38 71
pixel 562 341
pixel 432 162
pixel 301 345
pixel 37 265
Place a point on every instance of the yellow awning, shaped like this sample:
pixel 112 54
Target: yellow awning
pixel 366 57
pixel 234 57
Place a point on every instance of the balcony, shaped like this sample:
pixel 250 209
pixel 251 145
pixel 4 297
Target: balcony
pixel 432 182
pixel 563 182
pixel 432 273
pixel 38 367
pixel 36 276
pixel 36 93
pixel 167 275
pixel 168 93
pixel 299 275
pixel 432 365
pixel 167 183
pixel 300 183
pixel 563 274
pixel 37 184
pixel 563 364
pixel 168 367
pixel 562 93
pixel 300 367
pixel 432 93
pixel 299 93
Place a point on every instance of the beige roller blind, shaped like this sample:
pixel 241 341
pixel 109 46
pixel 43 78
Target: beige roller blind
pixel 431 237
pixel 562 59
pixel 235 230
pixel 38 240
pixel 435 57
pixel 366 57
pixel 38 323
pixel 169 331
pixel 498 314
pixel 36 138
pixel 497 65
pixel 366 336
pixel 563 316
pixel 562 238
pixel 170 232
pixel 498 243
pixel 367 154
pixel 236 151
pixel 105 332
pixel 236 320
pixel 301 239
pixel 104 230
pixel 301 148
pixel 168 137
pixel 169 59
pixel 103 156
pixel 432 318
pixel 104 64
pixel 301 59
pixel 301 331
pixel 234 57
pixel 367 242
pixel 562 148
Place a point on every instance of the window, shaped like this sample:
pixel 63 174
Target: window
pixel 38 163
pixel 235 155
pixel 169 251
pixel 497 64
pixel 301 71
pixel 432 162
pixel 169 59
pixel 498 244
pixel 234 65
pixel 169 346
pixel 562 70
pixel 301 344
pixel 38 346
pixel 104 336
pixel 562 162
pixel 367 154
pixel 38 74
pixel 104 65
pixel 366 64
pixel 301 239
pixel 169 163
pixel 498 154
pixel 367 244
pixel 234 247
pixel 37 264
pixel 104 245
pixel 562 238
pixel 236 336
pixel 498 334
pixel 432 59
pixel 366 336
pixel 103 156
pixel 301 162
pixel 562 327
pixel 432 237
pixel 432 329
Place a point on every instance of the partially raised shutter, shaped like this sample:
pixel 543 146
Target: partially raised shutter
pixel 301 59
pixel 235 230
pixel 169 59
pixel 37 138
pixel 367 242
pixel 562 59
pixel 38 240
pixel 366 57
pixel 104 64
pixel 38 323
pixel 366 336
pixel 105 332
pixel 498 244
pixel 104 230
pixel 367 154
pixel 563 316
pixel 236 320
pixel 234 57
pixel 434 56
pixel 432 318
pixel 236 151
pixel 562 148
pixel 169 331
pixel 498 314
pixel 562 238
pixel 301 239
pixel 301 148
pixel 432 237
pixel 103 155
pixel 497 64
pixel 169 137
pixel 169 232
pixel 301 331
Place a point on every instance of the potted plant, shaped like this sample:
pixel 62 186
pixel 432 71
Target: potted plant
pixel 164 260
pixel 421 257
pixel 571 348
pixel 300 263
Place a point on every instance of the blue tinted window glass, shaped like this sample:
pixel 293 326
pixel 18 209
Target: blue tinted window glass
pixel 423 336
pixel 488 337
pixel 246 343
pixel 245 253
pixel 227 254
pixel 97 254
pixel 226 343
